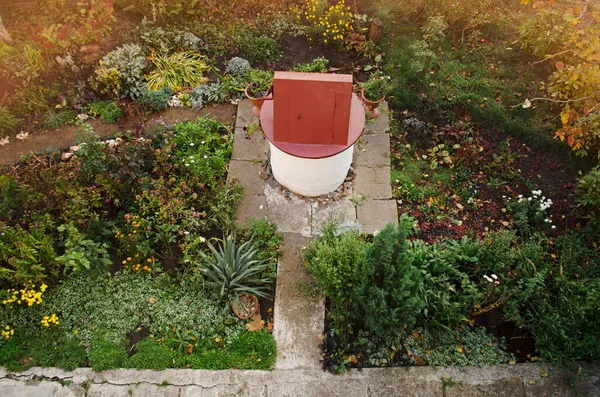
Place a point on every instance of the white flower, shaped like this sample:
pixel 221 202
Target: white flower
pixel 494 277
pixel 202 239
pixel 488 279
pixel 192 144
pixel 553 227
pixel 82 116
pixel 187 164
pixel 22 135
pixel 202 142
pixel 520 196
pixel 4 141
pixel 192 161
pixel 205 156
pixel 528 198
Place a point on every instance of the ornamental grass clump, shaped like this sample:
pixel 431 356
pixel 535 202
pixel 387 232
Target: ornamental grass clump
pixel 176 71
pixel 233 270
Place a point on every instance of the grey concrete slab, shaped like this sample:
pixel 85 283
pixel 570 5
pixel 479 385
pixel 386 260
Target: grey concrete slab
pixel 21 390
pixel 250 147
pixel 289 214
pixel 333 388
pixel 374 153
pixel 149 390
pixel 373 183
pixel 106 390
pixel 247 173
pixel 298 320
pixel 512 387
pixel 251 207
pixel 381 124
pixel 342 212
pixel 244 114
pixel 374 215
pixel 291 259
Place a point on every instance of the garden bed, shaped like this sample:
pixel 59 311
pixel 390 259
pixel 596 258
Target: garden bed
pixel 111 244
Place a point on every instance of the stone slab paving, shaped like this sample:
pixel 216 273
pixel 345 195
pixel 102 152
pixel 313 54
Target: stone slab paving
pixel 375 152
pixel 298 319
pixel 374 215
pixel 381 125
pixel 522 380
pixel 373 183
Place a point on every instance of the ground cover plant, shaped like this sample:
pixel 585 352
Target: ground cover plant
pixel 106 253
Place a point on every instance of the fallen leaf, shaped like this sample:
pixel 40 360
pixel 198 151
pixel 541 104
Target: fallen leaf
pixel 152 300
pixel 256 324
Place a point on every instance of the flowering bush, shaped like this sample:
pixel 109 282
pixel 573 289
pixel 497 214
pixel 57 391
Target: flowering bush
pixel 259 83
pixel 237 65
pixel 530 213
pixel 329 24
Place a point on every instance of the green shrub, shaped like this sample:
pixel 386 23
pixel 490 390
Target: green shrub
pixel 332 260
pixel 204 147
pixel 259 50
pixel 389 283
pixel 26 256
pixel 588 196
pixel 108 111
pixel 176 71
pixel 151 355
pixel 237 65
pixel 121 72
pixel 105 354
pixel 154 99
pixel 83 255
pixel 8 122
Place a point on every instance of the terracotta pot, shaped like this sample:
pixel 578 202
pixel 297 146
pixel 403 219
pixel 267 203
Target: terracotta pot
pixel 372 106
pixel 256 102
pixel 250 303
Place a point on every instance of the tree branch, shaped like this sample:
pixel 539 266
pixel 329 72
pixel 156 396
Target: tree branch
pixel 554 100
pixel 4 35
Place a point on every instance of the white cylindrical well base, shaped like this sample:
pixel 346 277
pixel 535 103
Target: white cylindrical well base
pixel 310 177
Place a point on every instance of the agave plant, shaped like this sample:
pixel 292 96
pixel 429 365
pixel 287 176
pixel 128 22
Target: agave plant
pixel 233 270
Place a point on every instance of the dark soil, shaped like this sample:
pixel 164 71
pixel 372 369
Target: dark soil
pixel 136 336
pixel 519 341
pixel 300 50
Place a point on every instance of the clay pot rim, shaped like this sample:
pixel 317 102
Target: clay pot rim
pixel 239 314
pixel 362 95
pixel 262 98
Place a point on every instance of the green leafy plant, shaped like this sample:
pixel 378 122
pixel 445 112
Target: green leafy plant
pixel 82 255
pixel 261 49
pixel 440 155
pixel 233 270
pixel 259 83
pixel 154 99
pixel 377 87
pixel 237 65
pixel 317 65
pixel 176 71
pixel 588 196
pixel 120 72
pixel 108 111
